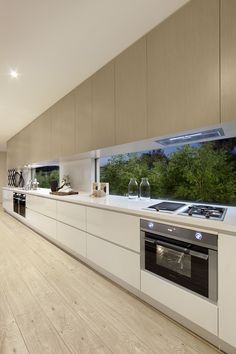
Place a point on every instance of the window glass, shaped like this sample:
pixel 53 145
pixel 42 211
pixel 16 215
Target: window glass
pixel 45 175
pixel 201 172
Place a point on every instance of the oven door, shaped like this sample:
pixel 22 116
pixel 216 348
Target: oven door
pixel 178 261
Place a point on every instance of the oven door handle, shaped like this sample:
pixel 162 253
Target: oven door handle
pixel 178 248
pixel 199 255
pixel 167 245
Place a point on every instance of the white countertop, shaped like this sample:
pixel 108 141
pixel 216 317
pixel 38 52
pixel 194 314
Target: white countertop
pixel 136 207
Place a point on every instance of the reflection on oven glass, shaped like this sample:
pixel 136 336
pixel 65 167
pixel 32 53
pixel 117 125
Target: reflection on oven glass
pixel 175 261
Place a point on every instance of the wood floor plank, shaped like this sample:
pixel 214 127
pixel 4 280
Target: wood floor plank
pixel 11 340
pixel 69 292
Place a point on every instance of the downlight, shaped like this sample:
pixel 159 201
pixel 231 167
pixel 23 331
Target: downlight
pixel 194 137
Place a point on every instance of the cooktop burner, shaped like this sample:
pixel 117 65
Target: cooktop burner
pixel 205 211
pixel 167 206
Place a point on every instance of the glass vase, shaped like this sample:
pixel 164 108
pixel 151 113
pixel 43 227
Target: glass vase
pixel 133 188
pixel 144 189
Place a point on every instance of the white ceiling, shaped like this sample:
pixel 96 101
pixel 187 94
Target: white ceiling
pixel 56 44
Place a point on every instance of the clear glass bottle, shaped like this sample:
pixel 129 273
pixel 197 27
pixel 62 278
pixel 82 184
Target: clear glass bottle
pixel 144 189
pixel 133 188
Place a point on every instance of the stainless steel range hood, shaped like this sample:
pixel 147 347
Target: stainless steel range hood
pixel 192 137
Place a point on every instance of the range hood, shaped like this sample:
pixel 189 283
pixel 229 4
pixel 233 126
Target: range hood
pixel 192 137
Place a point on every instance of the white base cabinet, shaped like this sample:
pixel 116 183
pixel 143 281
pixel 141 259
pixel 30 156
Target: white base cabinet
pixel 42 205
pixel 123 263
pixel 72 238
pixel 121 229
pixel 193 307
pixel 227 289
pixel 72 214
pixel 7 200
pixel 42 223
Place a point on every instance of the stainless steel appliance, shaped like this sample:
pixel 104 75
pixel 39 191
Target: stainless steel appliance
pixel 183 256
pixel 205 211
pixel 19 201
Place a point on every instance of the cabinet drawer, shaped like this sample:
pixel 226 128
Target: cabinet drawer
pixel 192 307
pixel 115 227
pixel 72 214
pixel 42 223
pixel 72 238
pixel 7 199
pixel 116 260
pixel 41 205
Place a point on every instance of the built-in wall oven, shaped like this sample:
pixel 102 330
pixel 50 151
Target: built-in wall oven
pixel 19 201
pixel 184 256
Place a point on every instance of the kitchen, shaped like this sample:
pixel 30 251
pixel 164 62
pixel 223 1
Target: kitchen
pixel 123 273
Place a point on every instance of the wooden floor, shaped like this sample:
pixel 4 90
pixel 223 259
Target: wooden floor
pixel 51 303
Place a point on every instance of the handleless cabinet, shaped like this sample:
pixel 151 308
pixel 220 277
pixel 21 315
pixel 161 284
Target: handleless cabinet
pixel 121 229
pixel 120 262
pixel 183 70
pixel 7 200
pixel 42 224
pixel 103 107
pixel 41 138
pixel 130 93
pixel 42 205
pixel 71 238
pixel 72 214
pixel 83 111
pixel 227 288
pixel 63 126
pixel 228 60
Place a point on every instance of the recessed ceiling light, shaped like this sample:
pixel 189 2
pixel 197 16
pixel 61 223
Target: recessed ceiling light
pixel 14 74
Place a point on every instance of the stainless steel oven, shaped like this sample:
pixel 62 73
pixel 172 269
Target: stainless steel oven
pixel 184 256
pixel 19 203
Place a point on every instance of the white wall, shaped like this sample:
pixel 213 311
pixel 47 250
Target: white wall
pixel 3 172
pixel 81 174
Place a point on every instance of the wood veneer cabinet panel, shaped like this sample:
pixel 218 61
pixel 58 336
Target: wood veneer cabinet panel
pixel 63 126
pixel 228 60
pixel 183 70
pixel 130 83
pixel 41 138
pixel 103 107
pixel 10 154
pixel 83 109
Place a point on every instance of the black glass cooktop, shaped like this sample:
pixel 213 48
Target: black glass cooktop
pixel 167 206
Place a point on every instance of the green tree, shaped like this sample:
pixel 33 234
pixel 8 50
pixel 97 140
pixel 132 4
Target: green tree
pixel 205 172
pixel 199 174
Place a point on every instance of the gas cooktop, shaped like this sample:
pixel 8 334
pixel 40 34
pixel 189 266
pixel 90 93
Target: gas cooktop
pixel 194 210
pixel 205 211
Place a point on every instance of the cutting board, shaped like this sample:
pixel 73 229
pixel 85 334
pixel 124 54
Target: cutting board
pixel 64 193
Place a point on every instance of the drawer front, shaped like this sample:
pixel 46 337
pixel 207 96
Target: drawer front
pixel 41 205
pixel 7 199
pixel 121 229
pixel 42 223
pixel 72 238
pixel 72 214
pixel 118 261
pixel 190 306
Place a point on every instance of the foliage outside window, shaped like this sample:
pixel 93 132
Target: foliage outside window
pixel 203 172
pixel 45 175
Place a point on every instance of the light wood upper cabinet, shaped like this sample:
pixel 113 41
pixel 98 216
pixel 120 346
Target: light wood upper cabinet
pixel 228 60
pixel 63 126
pixel 183 70
pixel 103 107
pixel 130 81
pixel 83 109
pixel 41 138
